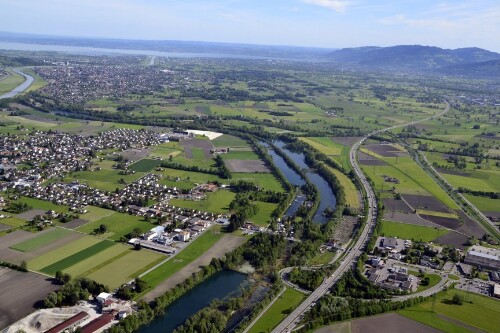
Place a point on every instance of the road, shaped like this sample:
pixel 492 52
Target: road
pixel 352 253
pixel 28 80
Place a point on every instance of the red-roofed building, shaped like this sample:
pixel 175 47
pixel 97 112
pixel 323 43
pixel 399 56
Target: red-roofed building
pixel 70 323
pixel 98 323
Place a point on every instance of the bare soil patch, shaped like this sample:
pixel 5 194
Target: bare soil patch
pixel 453 238
pixel 453 172
pixel 446 222
pixel 135 154
pixel 20 294
pixel 16 237
pixel 410 218
pixel 366 159
pixel 195 143
pixel 396 205
pixel 425 202
pixel 223 246
pixel 247 166
pixel 344 230
pixel 386 323
pixel 346 140
pixel 30 214
pixel 470 227
pixel 40 119
pixel 385 150
pixel 75 223
pixel 188 152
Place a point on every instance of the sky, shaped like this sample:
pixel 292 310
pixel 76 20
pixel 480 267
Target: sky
pixel 318 23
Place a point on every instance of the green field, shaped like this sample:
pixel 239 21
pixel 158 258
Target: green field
pixel 322 258
pixel 411 231
pixel 104 179
pixel 483 312
pixel 263 216
pixel 126 268
pixel 433 280
pixel 75 258
pixel 412 179
pixel 230 141
pixel 240 155
pixel 88 265
pixel 217 202
pixel 145 165
pixel 62 252
pixel 324 145
pixel 95 213
pixel 13 222
pixel 42 204
pixel 118 224
pixel 351 192
pixel 9 82
pixel 277 312
pixel 41 240
pixel 483 204
pixel 195 249
pixel 265 180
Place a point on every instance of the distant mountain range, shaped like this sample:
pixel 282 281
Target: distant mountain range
pixel 463 61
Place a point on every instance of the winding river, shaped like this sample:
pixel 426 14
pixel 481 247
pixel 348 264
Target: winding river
pixel 28 80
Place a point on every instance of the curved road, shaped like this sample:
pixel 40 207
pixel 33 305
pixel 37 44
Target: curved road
pixel 28 80
pixel 353 253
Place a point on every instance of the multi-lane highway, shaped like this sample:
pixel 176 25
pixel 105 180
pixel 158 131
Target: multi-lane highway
pixel 352 253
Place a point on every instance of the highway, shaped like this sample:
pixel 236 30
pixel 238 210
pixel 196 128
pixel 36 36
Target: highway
pixel 352 253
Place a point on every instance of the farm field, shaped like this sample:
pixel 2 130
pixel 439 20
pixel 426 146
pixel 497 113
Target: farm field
pixel 41 240
pixel 126 268
pixel 216 202
pixel 411 231
pixel 483 204
pixel 118 224
pixel 412 179
pixel 351 192
pixel 277 312
pixel 75 258
pixel 104 179
pixel 42 204
pixel 13 222
pixel 324 144
pixel 230 141
pixel 145 165
pixel 240 155
pixel 265 180
pixel 482 313
pixel 62 252
pixel 95 213
pixel 195 249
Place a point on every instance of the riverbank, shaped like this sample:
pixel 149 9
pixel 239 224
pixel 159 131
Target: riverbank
pixel 28 80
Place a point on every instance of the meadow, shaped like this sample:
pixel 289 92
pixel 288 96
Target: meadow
pixel 478 311
pixel 411 231
pixel 118 224
pixel 351 192
pixel 263 216
pixel 217 202
pixel 278 311
pixel 145 165
pixel 41 240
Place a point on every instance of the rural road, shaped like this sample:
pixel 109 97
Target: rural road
pixel 28 80
pixel 352 253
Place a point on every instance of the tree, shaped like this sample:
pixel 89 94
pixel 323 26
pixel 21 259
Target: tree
pixel 457 299
pixel 24 266
pixel 103 228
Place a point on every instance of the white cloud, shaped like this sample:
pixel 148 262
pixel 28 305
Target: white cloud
pixel 417 23
pixel 337 5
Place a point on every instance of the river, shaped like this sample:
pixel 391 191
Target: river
pixel 327 198
pixel 218 286
pixel 28 80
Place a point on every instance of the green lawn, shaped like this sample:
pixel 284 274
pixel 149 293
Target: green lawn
pixel 41 204
pixel 322 258
pixel 41 240
pixel 411 231
pixel 265 180
pixel 95 213
pixel 75 258
pixel 483 312
pixel 186 256
pixel 351 192
pixel 198 154
pixel 145 165
pixel 217 202
pixel 227 140
pixel 277 312
pixel 126 267
pixel 433 280
pixel 263 216
pixel 324 145
pixel 62 252
pixel 118 224
pixel 483 204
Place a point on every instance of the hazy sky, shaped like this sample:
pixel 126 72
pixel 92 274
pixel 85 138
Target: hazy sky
pixel 323 23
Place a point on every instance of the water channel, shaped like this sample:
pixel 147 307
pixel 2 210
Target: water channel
pixel 218 286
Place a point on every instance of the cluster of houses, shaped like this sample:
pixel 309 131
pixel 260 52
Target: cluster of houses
pixel 392 278
pixel 78 83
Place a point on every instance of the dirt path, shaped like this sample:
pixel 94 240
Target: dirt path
pixel 223 246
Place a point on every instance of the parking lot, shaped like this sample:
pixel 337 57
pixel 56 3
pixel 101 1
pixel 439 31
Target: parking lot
pixel 475 286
